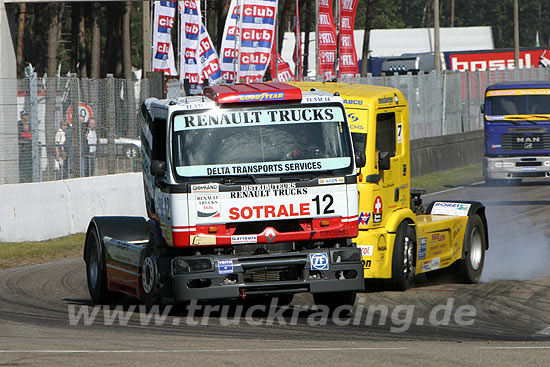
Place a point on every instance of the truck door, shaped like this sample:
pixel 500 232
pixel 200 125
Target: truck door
pixel 391 157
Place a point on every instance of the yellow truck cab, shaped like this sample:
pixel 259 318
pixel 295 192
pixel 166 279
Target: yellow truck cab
pixel 399 240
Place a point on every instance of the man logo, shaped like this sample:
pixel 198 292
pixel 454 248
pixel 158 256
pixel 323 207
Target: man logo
pixel 319 261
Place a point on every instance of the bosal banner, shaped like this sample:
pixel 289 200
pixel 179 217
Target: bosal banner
pixel 247 39
pixel 198 58
pixel 327 40
pixel 163 53
pixel 347 61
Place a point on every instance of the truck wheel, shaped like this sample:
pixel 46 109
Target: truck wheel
pixel 403 266
pixel 333 300
pixel 149 281
pixel 96 271
pixel 473 251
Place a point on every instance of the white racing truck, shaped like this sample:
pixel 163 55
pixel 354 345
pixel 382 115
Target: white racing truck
pixel 251 192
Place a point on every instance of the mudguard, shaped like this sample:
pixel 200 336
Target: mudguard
pixel 448 207
pixel 121 228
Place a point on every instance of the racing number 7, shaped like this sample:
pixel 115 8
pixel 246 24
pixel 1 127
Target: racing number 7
pixel 327 209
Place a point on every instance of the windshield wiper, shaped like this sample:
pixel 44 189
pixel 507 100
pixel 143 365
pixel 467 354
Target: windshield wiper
pixel 239 179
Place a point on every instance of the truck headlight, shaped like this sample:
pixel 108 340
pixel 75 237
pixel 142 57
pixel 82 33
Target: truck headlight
pixel 191 265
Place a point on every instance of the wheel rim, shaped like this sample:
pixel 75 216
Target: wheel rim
pixel 407 257
pixel 476 249
pixel 93 264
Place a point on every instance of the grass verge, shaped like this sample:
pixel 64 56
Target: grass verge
pixel 448 179
pixel 15 254
pixel 27 253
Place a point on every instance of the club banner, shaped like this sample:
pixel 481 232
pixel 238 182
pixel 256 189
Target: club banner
pixel 163 54
pixel 198 58
pixel 247 40
pixel 347 61
pixel 327 40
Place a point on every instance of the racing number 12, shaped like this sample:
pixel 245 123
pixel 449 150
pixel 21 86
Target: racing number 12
pixel 327 198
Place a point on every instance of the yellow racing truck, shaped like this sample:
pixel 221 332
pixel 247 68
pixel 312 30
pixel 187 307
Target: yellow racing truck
pixel 399 238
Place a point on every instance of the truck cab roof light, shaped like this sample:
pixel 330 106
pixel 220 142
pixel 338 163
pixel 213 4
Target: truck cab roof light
pixel 255 92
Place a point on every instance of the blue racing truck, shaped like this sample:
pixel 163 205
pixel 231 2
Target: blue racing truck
pixel 517 131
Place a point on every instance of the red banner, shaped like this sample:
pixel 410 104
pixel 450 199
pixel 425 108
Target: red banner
pixel 327 40
pixel 347 61
pixel 281 69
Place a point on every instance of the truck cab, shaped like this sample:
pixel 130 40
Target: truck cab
pixel 517 131
pixel 398 239
pixel 250 190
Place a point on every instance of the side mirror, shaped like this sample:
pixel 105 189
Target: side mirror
pixel 158 168
pixel 384 161
pixel 482 107
pixel 360 159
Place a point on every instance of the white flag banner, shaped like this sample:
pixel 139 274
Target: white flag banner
pixel 198 59
pixel 247 40
pixel 163 54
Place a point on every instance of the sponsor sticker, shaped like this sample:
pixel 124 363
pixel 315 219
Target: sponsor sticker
pixel 436 263
pixel 426 265
pixel 364 218
pixel 422 248
pixel 332 180
pixel 208 206
pixel 447 208
pixel 319 261
pixel 211 187
pixel 366 250
pixel 225 266
pixel 241 239
pixel 377 210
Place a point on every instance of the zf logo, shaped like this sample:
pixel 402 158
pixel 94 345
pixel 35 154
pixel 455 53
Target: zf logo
pixel 319 261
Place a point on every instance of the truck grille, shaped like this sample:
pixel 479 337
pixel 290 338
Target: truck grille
pixel 257 275
pixel 511 142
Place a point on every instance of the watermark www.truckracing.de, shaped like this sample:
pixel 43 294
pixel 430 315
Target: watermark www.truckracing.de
pixel 398 317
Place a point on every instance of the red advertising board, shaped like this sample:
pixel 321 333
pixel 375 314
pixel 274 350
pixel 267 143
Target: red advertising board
pixel 496 60
pixel 347 61
pixel 327 40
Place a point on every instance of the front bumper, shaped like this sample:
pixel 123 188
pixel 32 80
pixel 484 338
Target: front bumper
pixel 315 271
pixel 516 167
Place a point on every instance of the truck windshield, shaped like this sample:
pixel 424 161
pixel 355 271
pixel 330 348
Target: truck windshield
pixel 261 141
pixel 519 105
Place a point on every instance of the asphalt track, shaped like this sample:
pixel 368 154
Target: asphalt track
pixel 504 320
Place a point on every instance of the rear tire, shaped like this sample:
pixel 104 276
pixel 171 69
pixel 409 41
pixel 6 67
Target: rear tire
pixel 333 300
pixel 403 259
pixel 96 270
pixel 473 252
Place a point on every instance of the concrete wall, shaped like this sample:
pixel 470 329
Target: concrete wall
pixel 40 211
pixel 441 153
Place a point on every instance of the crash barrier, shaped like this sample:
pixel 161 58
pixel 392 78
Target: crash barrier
pixel 43 210
pixel 429 155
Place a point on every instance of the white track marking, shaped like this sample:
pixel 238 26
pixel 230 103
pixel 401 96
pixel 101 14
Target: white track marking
pixel 543 332
pixel 200 350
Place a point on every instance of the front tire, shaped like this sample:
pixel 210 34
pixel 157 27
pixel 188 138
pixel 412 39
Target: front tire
pixel 403 259
pixel 96 270
pixel 473 258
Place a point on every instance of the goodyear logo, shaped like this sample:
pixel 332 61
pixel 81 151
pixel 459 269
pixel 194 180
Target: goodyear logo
pixel 258 97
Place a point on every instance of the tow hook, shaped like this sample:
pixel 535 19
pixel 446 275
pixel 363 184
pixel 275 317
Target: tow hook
pixel 243 293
